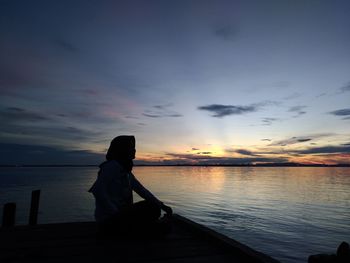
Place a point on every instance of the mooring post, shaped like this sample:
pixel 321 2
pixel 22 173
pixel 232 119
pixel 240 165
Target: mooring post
pixel 9 215
pixel 34 208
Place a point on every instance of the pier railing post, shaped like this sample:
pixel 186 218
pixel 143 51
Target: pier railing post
pixel 9 215
pixel 34 208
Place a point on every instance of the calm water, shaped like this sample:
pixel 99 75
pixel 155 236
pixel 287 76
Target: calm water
pixel 288 213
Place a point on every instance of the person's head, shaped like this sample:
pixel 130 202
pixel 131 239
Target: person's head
pixel 122 148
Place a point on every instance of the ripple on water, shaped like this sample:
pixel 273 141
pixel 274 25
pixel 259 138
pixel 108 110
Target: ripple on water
pixel 288 213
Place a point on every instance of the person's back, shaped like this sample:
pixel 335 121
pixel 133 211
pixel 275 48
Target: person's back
pixel 111 190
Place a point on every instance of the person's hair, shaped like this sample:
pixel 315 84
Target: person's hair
pixel 119 150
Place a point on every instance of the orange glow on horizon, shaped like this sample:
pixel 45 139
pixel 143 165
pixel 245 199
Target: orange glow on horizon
pixel 216 154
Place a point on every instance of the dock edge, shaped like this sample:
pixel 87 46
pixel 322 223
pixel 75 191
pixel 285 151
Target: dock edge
pixel 246 253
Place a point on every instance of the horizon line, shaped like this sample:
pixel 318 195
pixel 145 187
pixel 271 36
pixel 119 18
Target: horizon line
pixel 288 164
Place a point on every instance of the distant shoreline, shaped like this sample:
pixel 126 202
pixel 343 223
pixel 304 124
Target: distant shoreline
pixel 189 165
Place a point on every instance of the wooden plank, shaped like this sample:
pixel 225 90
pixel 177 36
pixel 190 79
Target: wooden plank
pixel 243 252
pixel 67 231
pixel 9 215
pixel 64 247
pixel 189 242
pixel 132 252
pixel 50 231
pixel 34 208
pixel 105 258
pixel 218 258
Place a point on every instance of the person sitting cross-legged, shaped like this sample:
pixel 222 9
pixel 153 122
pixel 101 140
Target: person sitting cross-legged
pixel 115 212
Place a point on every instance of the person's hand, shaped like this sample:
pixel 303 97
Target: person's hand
pixel 167 209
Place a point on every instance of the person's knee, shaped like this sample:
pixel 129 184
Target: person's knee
pixel 153 209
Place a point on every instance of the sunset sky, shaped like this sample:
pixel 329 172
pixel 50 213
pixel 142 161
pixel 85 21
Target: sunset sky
pixel 195 81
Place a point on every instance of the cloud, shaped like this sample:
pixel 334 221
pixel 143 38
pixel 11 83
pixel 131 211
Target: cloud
pixel 220 111
pixel 341 112
pixel 299 139
pixel 14 78
pixel 324 150
pixel 188 156
pixel 245 152
pixel 19 154
pixel 290 141
pixel 16 114
pixel 131 117
pixel 304 140
pixel 45 133
pixel 266 139
pixel 269 121
pixel 292 96
pixel 22 123
pixel 28 126
pixel 267 103
pixel 161 111
pixel 299 110
pixel 337 149
pixel 226 32
pixel 321 95
pixel 195 149
pixel 162 115
pixel 208 160
pixel 345 88
pixel 163 107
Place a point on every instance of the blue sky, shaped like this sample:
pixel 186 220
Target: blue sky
pixel 194 81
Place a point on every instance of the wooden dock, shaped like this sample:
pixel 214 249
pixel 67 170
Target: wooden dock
pixel 77 242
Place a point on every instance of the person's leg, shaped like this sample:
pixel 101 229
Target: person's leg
pixel 145 220
pixel 110 228
pixel 144 212
pixel 140 219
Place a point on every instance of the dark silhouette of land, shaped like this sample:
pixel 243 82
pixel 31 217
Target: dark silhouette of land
pixel 200 165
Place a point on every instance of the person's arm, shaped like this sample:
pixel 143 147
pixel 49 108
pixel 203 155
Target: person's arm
pixel 147 195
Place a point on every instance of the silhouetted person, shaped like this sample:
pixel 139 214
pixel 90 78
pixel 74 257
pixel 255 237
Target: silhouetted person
pixel 115 212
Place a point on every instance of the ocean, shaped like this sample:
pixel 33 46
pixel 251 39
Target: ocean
pixel 288 213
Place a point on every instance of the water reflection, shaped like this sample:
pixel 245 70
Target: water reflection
pixel 293 212
pixel 288 213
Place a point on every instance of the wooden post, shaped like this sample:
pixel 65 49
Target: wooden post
pixel 34 208
pixel 9 215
